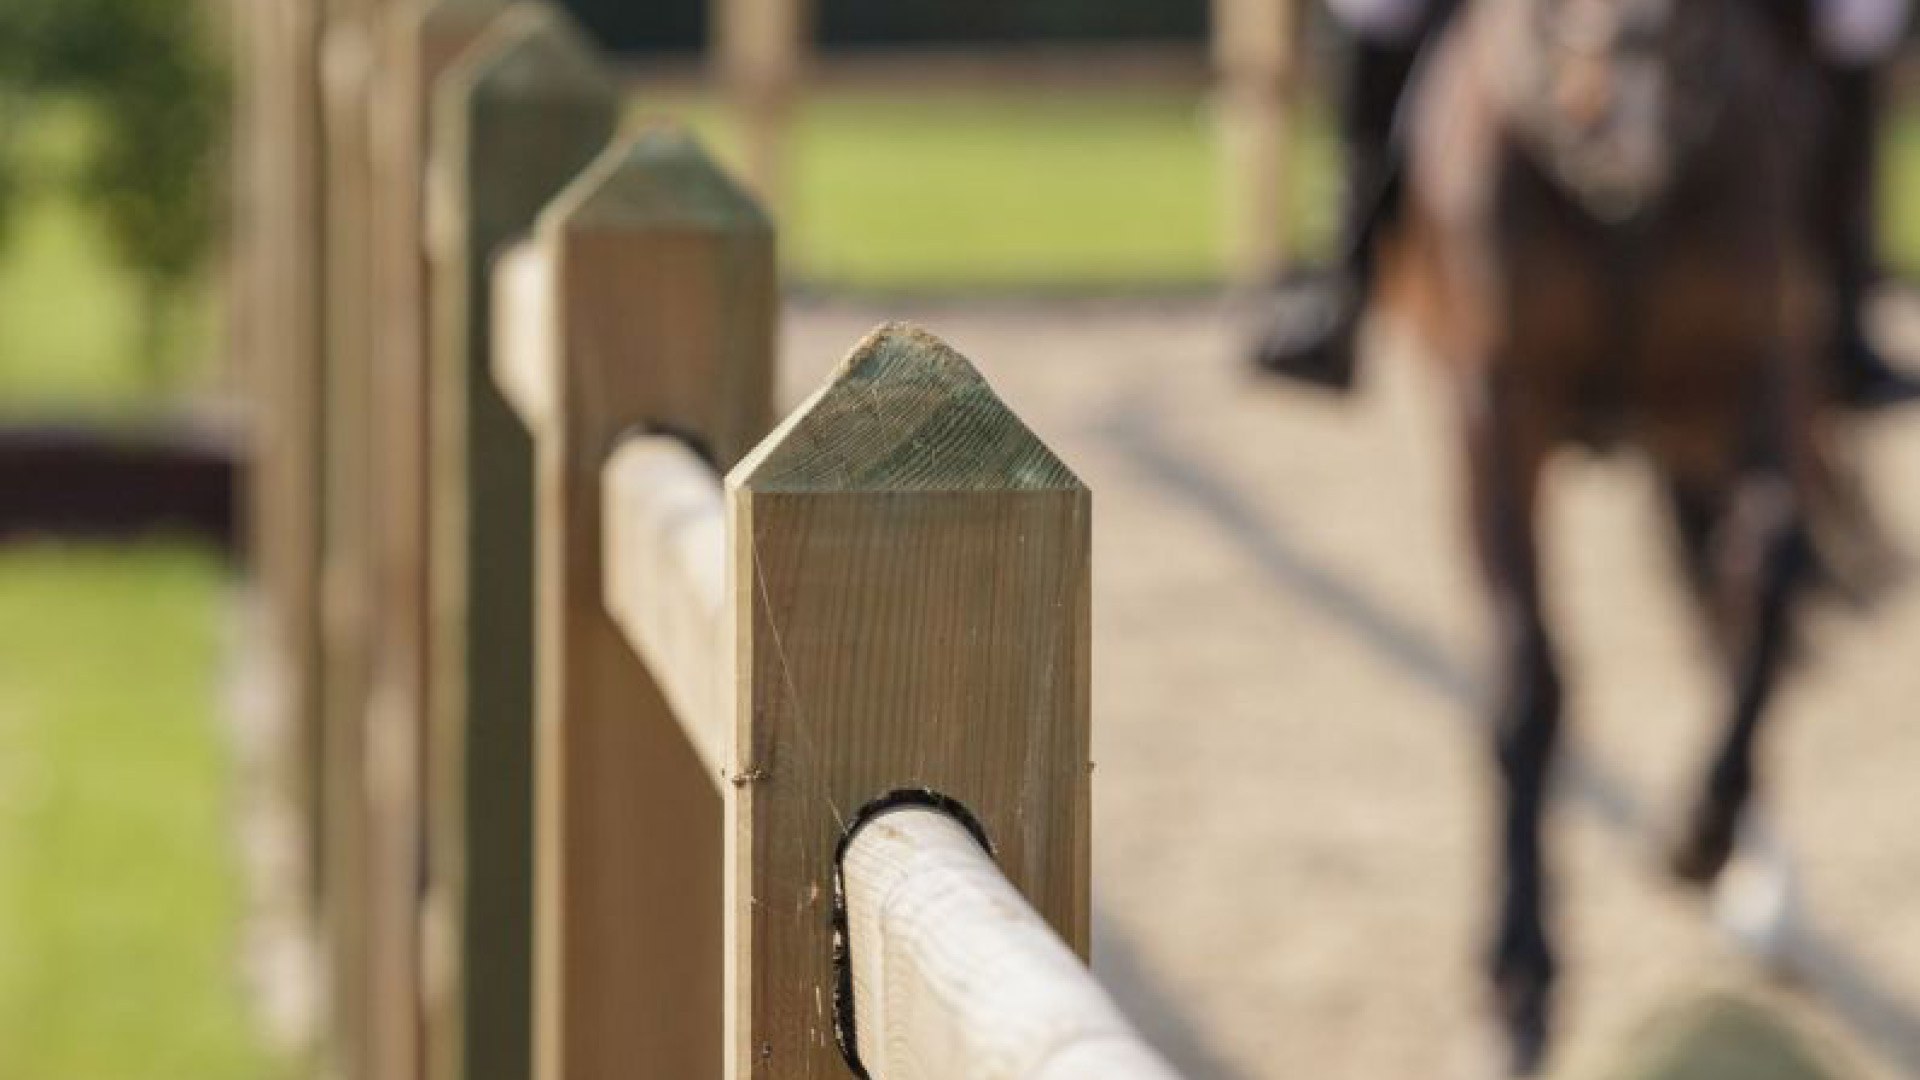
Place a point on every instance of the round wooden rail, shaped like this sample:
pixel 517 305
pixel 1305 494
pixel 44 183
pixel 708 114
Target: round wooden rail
pixel 664 532
pixel 956 977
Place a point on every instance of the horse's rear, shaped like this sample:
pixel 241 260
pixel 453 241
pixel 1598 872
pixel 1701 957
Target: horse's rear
pixel 1605 240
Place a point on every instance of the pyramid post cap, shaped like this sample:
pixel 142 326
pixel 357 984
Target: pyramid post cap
pixel 535 52
pixel 903 412
pixel 658 176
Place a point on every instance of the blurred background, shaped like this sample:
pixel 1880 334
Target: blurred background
pixel 1289 820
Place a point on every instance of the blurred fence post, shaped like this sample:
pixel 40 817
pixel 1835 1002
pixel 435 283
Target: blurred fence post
pixel 514 120
pixel 358 1038
pixel 659 312
pixel 761 50
pixel 1253 58
pixel 413 43
pixel 910 596
pixel 278 275
pixel 276 280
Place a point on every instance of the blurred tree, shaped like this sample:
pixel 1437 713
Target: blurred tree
pixel 146 71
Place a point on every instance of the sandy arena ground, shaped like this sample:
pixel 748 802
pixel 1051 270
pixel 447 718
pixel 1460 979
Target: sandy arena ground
pixel 1292 792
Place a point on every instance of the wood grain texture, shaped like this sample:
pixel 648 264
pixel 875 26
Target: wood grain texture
pixel 513 121
pixel 910 580
pixel 956 977
pixel 664 533
pixel 663 278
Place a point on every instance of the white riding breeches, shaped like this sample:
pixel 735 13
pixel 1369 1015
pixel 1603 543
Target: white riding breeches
pixel 1859 33
pixel 1382 22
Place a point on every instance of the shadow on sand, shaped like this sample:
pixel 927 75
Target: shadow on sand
pixel 1825 966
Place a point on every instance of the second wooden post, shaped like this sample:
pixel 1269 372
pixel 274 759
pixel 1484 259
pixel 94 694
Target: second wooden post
pixel 662 287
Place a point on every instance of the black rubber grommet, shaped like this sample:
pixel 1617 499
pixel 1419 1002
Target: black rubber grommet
pixel 683 435
pixel 844 1032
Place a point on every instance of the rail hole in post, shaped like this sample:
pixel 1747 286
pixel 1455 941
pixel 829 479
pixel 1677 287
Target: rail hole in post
pixel 697 445
pixel 844 1031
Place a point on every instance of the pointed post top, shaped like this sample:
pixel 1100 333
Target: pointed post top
pixel 515 118
pixel 659 176
pixel 535 51
pixel 904 412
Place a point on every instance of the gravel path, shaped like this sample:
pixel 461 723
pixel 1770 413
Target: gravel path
pixel 1292 792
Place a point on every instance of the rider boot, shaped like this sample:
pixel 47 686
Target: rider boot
pixel 1312 338
pixel 1861 377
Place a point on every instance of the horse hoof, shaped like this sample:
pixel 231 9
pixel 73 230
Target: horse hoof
pixel 1704 849
pixel 1896 389
pixel 1757 902
pixel 1323 365
pixel 1523 1008
pixel 1869 383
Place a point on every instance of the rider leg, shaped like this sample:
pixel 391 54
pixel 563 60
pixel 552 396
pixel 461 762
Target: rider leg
pixel 1852 39
pixel 1317 346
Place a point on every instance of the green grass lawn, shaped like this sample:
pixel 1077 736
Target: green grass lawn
pixel 967 192
pixel 119 910
pixel 1899 183
pixel 119 913
pixel 1051 192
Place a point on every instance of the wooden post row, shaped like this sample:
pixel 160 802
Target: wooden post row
pixel 909 595
pixel 907 583
pixel 513 121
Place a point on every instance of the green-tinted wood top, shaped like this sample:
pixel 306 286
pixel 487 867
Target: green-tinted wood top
pixel 904 412
pixel 551 58
pixel 660 177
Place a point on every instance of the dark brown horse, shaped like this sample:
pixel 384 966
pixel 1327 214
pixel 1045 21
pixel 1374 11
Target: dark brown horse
pixel 1603 235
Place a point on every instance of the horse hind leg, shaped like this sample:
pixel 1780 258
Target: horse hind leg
pixel 1505 469
pixel 1527 728
pixel 1694 509
pixel 1762 558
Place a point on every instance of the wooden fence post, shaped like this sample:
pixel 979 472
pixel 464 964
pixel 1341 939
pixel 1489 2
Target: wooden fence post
pixel 661 279
pixel 276 283
pixel 278 328
pixel 416 42
pixel 761 50
pixel 910 587
pixel 1253 54
pixel 347 592
pixel 514 120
